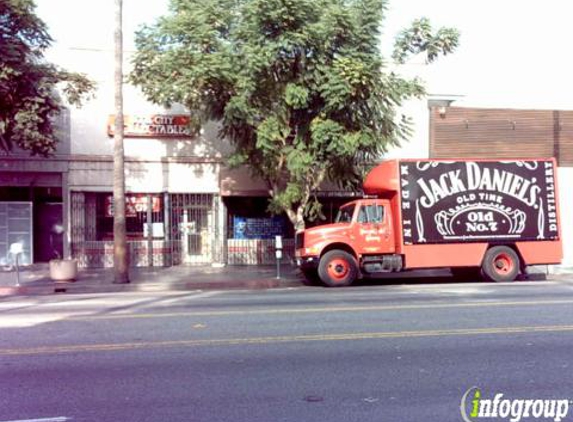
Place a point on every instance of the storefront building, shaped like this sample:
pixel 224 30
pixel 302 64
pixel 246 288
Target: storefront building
pixel 32 209
pixel 183 205
pixel 173 207
pixel 33 205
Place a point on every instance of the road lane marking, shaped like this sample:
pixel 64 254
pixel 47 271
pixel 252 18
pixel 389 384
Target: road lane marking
pixel 87 348
pixel 25 321
pixel 109 301
pixel 326 309
pixel 43 313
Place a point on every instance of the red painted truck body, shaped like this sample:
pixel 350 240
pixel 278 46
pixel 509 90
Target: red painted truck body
pixel 478 217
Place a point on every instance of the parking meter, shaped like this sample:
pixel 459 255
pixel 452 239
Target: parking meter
pixel 16 249
pixel 278 253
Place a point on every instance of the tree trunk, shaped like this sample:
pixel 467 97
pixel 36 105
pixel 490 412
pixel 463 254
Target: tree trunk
pixel 120 256
pixel 296 217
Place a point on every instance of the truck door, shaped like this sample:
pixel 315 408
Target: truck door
pixel 374 229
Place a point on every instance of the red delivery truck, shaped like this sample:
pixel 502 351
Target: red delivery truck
pixel 478 217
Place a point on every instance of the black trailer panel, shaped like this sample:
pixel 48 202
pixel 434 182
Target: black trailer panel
pixel 452 201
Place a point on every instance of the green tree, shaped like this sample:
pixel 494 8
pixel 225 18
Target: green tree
pixel 300 86
pixel 29 99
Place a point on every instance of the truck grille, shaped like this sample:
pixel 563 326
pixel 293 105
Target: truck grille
pixel 299 241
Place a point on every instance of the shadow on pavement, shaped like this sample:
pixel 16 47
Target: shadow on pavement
pixel 427 277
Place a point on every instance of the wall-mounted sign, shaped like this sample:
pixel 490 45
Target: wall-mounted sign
pixel 157 230
pixel 153 126
pixel 257 228
pixel 133 204
pixel 449 201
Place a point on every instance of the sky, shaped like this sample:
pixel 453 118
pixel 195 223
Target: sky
pixel 90 23
pixel 513 53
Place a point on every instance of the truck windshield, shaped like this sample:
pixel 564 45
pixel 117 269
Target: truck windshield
pixel 345 214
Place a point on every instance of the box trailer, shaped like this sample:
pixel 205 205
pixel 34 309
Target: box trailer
pixel 482 218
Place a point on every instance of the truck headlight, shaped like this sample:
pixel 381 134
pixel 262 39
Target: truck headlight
pixel 311 251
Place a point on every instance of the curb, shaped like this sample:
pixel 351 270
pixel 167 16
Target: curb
pixel 25 291
pixel 52 288
pixel 85 287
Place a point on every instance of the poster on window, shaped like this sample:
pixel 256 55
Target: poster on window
pixel 133 204
pixel 450 201
pixel 257 228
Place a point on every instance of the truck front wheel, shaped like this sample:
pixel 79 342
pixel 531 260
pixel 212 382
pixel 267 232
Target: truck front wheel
pixel 337 268
pixel 500 263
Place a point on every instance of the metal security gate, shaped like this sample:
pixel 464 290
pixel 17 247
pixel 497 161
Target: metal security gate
pixel 163 229
pixel 194 228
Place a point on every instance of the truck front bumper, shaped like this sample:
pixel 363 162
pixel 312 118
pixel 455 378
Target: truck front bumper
pixel 307 262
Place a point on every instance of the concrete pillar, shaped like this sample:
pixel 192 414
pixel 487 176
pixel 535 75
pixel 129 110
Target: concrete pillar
pixel 66 213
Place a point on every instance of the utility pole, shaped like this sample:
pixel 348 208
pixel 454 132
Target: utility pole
pixel 120 252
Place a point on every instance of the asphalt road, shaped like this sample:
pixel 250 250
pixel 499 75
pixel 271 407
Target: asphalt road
pixel 370 353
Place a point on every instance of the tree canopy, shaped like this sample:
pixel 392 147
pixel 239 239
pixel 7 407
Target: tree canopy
pixel 29 99
pixel 300 86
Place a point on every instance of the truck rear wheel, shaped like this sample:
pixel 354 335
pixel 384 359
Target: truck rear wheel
pixel 500 263
pixel 337 268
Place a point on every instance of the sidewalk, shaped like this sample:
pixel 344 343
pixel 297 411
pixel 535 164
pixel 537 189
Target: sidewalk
pixel 35 280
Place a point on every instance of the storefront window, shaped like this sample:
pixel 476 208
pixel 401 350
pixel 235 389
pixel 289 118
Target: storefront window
pixel 162 229
pixel 137 213
pixel 249 218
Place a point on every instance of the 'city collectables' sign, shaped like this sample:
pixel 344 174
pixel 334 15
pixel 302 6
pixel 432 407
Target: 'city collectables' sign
pixel 153 126
pixel 473 200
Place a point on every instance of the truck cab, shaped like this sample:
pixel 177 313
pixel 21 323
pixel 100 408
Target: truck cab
pixel 362 236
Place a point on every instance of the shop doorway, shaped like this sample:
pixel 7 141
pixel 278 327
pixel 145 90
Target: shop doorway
pixel 32 215
pixel 194 228
pixel 197 239
pixel 48 231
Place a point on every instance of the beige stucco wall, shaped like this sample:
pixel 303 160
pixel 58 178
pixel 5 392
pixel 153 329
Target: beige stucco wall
pixel 239 182
pixel 181 165
pixel 146 177
pixel 85 130
pixel 566 201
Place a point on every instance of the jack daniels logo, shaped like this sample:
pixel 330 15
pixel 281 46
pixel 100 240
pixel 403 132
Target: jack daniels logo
pixel 445 201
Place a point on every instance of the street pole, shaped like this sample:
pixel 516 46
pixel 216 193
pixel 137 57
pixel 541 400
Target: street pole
pixel 120 252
